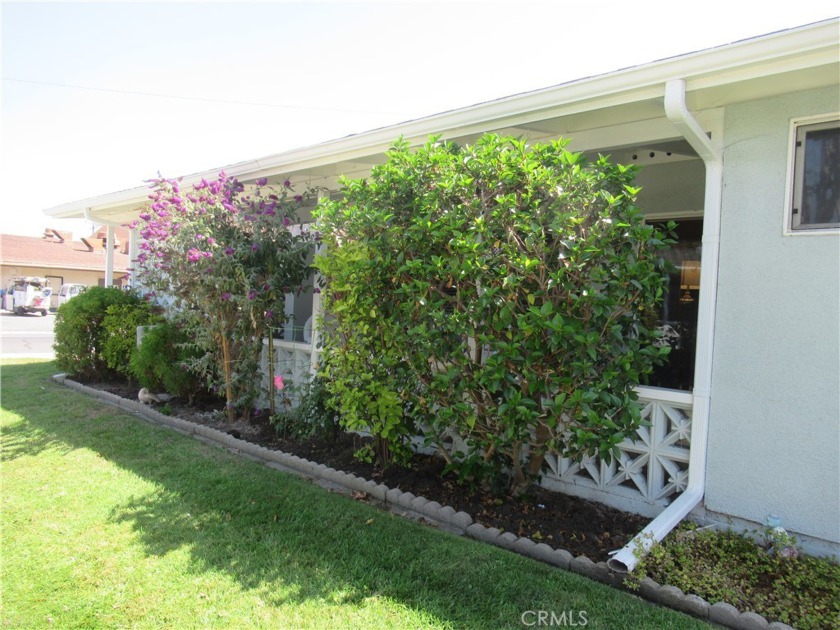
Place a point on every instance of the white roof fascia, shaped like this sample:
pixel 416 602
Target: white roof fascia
pixel 803 47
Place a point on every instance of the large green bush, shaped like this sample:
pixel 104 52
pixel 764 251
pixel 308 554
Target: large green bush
pixel 80 336
pixel 500 292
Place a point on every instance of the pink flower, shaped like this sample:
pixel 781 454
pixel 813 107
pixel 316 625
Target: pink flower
pixel 225 296
pixel 278 382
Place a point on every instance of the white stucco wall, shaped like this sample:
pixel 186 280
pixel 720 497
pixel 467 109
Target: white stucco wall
pixel 774 435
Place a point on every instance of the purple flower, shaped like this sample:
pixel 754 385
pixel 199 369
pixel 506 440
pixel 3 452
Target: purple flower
pixel 287 184
pixel 255 246
pixel 252 294
pixel 229 251
pixel 317 290
pixel 298 198
pixel 269 314
pixel 262 181
pixel 287 221
pixel 193 255
pixel 225 296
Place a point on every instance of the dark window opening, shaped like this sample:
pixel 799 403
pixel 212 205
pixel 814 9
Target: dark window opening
pixel 678 312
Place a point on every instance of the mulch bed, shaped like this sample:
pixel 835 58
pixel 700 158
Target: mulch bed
pixel 564 522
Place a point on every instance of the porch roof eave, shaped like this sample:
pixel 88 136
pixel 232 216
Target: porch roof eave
pixel 709 77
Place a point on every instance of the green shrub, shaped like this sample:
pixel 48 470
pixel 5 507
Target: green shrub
pixel 500 291
pixel 79 332
pixel 119 333
pixel 161 363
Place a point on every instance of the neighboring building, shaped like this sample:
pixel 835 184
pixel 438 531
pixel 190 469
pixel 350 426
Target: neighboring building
pixel 741 145
pixel 62 260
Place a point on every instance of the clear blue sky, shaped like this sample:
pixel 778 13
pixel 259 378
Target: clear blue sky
pixel 98 97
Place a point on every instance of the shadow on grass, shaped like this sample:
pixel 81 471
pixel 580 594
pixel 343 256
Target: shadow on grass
pixel 290 540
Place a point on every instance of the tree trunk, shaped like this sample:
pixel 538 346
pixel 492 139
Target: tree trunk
pixel 271 372
pixel 228 386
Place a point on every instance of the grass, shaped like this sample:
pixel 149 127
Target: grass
pixel 110 522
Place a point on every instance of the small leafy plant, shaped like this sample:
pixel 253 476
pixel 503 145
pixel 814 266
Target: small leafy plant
pixel 310 417
pixel 723 566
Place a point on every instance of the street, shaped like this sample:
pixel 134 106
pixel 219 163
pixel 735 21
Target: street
pixel 26 335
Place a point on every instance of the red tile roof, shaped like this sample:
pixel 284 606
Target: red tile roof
pixel 32 251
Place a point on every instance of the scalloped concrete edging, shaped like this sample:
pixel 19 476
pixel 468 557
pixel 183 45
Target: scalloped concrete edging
pixel 461 523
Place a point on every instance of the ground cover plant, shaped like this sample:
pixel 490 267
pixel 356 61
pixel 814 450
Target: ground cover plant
pixel 721 565
pixel 499 293
pixel 112 522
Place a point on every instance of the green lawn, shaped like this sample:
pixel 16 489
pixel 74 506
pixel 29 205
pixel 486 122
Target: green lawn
pixel 108 521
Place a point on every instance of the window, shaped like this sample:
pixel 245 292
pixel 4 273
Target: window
pixel 815 199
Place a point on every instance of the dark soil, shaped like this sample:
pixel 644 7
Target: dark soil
pixel 564 522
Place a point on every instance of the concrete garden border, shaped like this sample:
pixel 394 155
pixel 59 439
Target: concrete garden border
pixel 444 516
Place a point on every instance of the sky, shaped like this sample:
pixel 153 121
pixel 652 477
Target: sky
pixel 101 96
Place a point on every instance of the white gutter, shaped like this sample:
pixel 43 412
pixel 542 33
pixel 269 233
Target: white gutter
pixel 677 112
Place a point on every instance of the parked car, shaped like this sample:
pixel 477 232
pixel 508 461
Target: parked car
pixel 66 292
pixel 28 294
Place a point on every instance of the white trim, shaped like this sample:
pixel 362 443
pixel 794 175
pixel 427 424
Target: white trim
pixel 674 396
pixel 790 177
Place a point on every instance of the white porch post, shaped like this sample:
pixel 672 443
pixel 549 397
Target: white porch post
pixel 132 258
pixel 109 257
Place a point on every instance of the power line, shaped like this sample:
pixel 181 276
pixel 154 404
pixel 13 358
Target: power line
pixel 201 99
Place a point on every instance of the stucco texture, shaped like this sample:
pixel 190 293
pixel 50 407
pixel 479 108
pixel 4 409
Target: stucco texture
pixel 774 433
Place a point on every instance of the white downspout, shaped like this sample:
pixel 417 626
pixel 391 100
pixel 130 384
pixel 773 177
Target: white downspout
pixel 677 112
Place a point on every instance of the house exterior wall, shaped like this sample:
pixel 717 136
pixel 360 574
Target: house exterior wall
pixel 774 433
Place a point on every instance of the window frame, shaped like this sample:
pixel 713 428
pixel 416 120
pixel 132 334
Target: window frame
pixel 795 169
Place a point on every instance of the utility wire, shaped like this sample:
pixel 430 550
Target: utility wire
pixel 199 98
